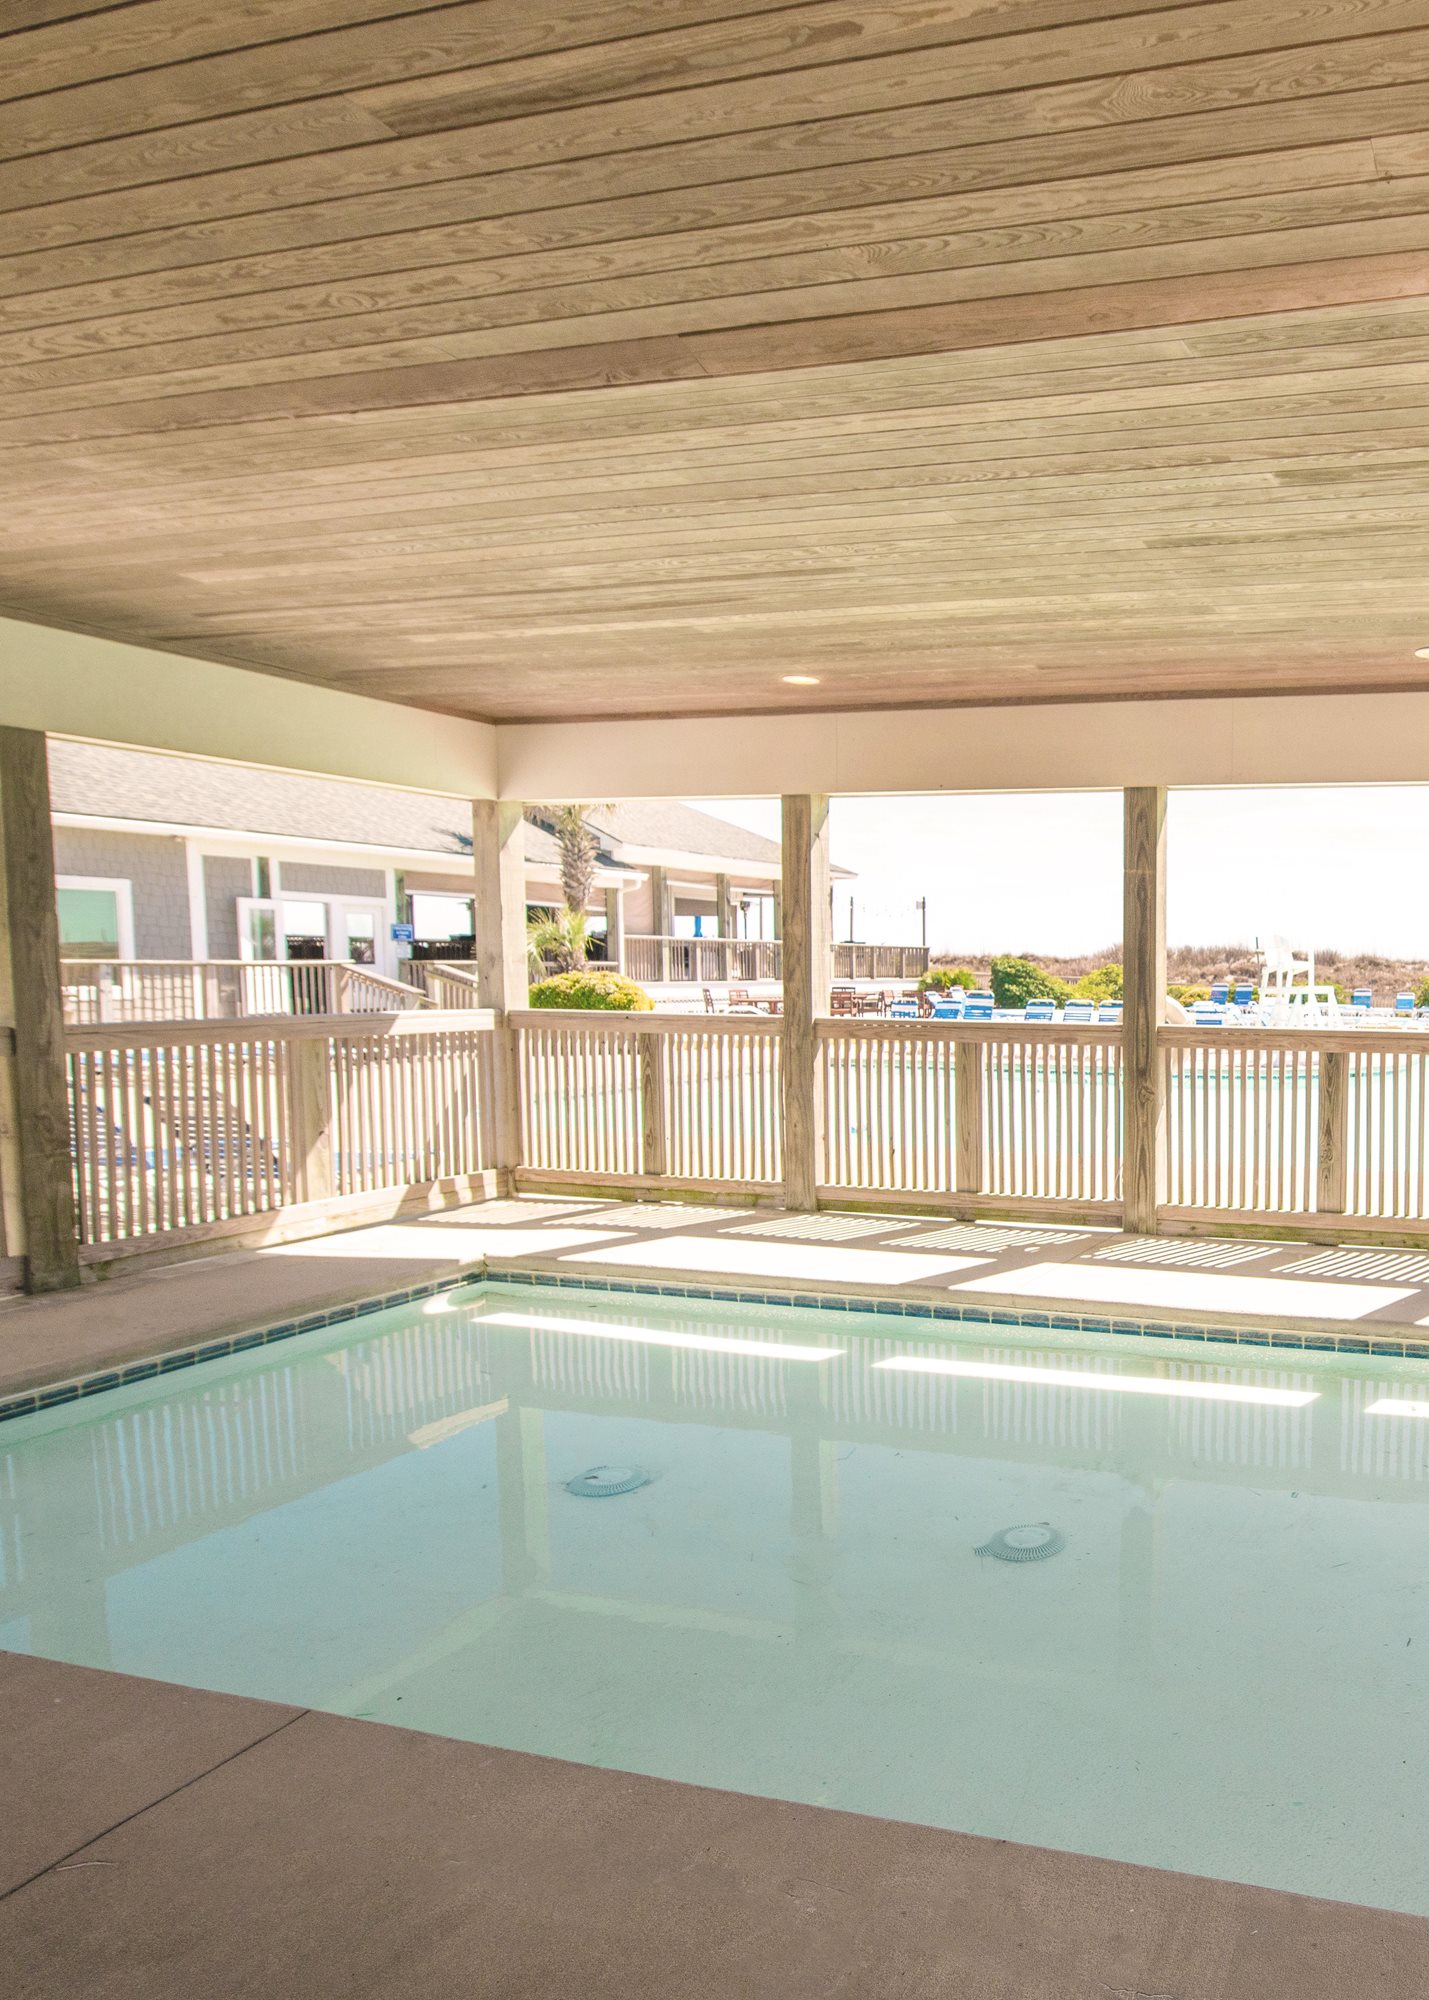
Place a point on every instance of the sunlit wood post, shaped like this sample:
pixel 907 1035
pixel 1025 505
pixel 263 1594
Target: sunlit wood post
pixel 1332 1153
pixel 499 898
pixel 1143 1163
pixel 36 1173
pixel 807 948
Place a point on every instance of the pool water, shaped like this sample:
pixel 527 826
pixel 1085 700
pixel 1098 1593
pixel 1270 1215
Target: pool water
pixel 1221 1670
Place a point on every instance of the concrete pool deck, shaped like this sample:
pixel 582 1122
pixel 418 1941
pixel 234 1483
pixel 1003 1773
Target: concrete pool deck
pixel 172 1842
pixel 1379 1293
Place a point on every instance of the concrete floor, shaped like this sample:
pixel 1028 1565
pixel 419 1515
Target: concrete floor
pixel 130 1317
pixel 165 1844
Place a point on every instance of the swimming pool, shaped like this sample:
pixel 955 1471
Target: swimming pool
pixel 1221 1669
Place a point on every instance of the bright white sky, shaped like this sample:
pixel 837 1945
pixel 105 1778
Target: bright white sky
pixel 1042 872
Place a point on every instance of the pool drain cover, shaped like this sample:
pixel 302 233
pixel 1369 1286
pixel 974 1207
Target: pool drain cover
pixel 602 1482
pixel 1031 1543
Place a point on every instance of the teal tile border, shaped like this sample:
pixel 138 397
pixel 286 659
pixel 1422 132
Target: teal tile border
pixel 1397 1346
pixel 27 1401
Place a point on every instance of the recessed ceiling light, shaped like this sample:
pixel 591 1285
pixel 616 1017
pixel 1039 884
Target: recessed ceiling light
pixel 812 680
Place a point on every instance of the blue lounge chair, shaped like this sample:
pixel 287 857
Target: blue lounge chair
pixel 1220 992
pixel 1109 1011
pixel 978 1008
pixel 1404 1003
pixel 949 1009
pixel 1076 1012
pixel 1244 995
pixel 903 1010
pixel 1206 1014
pixel 1039 1010
pixel 1362 997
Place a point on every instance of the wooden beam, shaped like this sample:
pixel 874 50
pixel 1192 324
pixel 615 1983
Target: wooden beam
pixel 808 948
pixel 1144 1006
pixel 724 906
pixel 498 845
pixel 615 927
pixel 30 948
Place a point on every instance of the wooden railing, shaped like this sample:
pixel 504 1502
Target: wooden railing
pixel 660 961
pixel 656 961
pixel 199 1130
pixel 1288 1126
pixel 446 982
pixel 162 989
pixel 1025 1114
pixel 654 1099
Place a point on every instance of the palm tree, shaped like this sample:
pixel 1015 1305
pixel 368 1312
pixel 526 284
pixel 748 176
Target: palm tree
pixel 557 940
pixel 579 849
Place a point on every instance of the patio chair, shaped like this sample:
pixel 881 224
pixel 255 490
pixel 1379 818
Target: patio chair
pixel 740 1001
pixel 712 1005
pixel 978 1007
pixel 946 1008
pixel 1207 1014
pixel 1362 997
pixel 903 1010
pixel 1077 1013
pixel 843 1000
pixel 1039 1010
pixel 1404 1003
pixel 1109 1011
pixel 1244 994
pixel 1220 992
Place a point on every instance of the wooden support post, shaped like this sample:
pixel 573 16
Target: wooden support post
pixel 652 1106
pixel 969 1062
pixel 310 1112
pixel 499 908
pixel 615 927
pixel 808 948
pixel 724 906
pixel 1332 1168
pixel 1143 1162
pixel 36 1153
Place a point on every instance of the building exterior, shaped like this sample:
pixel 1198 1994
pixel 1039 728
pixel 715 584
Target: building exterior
pixel 161 857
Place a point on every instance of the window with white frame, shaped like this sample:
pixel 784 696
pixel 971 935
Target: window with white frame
pixel 96 915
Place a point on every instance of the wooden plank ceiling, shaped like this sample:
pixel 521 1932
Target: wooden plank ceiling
pixel 609 357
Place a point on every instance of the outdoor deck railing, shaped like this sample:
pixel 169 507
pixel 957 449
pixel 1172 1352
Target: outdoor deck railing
pixel 189 1131
pixel 195 1129
pixel 1023 1113
pixel 1287 1126
pixel 169 989
pixel 655 1099
pixel 715 961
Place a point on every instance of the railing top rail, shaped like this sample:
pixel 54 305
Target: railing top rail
pixel 280 1028
pixel 612 1023
pixel 885 1027
pixel 1319 1040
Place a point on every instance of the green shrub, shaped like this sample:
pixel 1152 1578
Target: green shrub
pixel 1103 984
pixel 1421 998
pixel 1189 995
pixel 610 991
pixel 1015 981
pixel 938 978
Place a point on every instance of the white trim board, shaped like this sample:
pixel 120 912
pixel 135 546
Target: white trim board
pixel 1363 739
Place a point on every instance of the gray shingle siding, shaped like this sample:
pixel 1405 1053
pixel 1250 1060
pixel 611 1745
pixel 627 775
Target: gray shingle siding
pixel 225 879
pixel 158 869
pixel 321 878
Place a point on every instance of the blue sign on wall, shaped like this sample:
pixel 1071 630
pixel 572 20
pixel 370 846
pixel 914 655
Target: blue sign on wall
pixel 403 934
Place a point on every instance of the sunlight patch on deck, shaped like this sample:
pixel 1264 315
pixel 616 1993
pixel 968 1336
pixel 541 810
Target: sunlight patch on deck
pixel 822 1228
pixel 738 1257
pixel 1187 1291
pixel 1201 1256
pixel 447 1245
pixel 1382 1267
